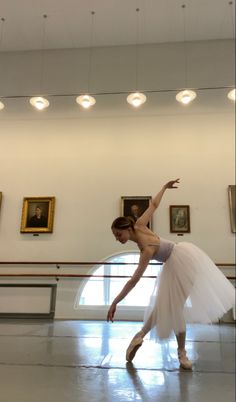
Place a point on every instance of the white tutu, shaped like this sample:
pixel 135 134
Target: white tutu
pixel 190 289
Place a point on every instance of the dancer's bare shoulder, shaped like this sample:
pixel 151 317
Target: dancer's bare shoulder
pixel 146 237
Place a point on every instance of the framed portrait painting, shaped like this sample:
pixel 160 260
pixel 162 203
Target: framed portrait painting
pixel 37 215
pixel 232 206
pixel 134 206
pixel 179 219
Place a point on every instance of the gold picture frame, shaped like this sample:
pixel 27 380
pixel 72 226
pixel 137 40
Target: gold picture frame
pixel 37 215
pixel 134 206
pixel 232 202
pixel 179 219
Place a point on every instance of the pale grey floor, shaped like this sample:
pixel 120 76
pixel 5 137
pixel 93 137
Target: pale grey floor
pixel 84 361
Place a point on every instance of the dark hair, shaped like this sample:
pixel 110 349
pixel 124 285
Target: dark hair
pixel 123 222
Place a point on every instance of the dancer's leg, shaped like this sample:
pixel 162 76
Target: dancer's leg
pixel 148 325
pixel 181 340
pixel 185 363
pixel 138 339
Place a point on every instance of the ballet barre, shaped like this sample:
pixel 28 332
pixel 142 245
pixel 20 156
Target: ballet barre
pixel 78 264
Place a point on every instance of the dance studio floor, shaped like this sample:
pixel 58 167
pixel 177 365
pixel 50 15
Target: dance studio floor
pixel 84 361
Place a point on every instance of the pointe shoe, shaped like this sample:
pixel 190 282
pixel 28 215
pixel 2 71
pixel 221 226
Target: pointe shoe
pixel 184 362
pixel 133 347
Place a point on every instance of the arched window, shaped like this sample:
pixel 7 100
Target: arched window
pixel 102 291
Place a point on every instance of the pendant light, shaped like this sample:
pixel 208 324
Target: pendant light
pixel 186 95
pixel 1 39
pixel 86 100
pixel 232 93
pixel 39 102
pixel 136 98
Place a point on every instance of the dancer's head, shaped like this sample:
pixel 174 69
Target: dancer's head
pixel 122 228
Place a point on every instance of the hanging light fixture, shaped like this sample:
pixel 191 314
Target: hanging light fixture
pixel 186 95
pixel 232 93
pixel 136 98
pixel 39 102
pixel 86 100
pixel 1 38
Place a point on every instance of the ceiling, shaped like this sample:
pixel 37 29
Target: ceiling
pixel 115 22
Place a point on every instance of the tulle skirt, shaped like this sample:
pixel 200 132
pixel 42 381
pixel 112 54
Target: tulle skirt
pixel 190 289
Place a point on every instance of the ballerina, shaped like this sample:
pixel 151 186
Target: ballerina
pixel 187 273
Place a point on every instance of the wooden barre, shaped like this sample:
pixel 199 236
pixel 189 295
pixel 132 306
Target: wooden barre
pixel 73 263
pixel 220 264
pixel 83 276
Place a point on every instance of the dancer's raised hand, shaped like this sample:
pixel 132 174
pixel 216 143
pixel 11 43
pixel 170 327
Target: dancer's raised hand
pixel 171 184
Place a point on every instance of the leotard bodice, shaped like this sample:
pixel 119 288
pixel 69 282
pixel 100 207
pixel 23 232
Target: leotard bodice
pixel 164 250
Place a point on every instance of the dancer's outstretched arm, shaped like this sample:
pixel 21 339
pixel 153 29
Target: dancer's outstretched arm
pixel 146 216
pixel 145 257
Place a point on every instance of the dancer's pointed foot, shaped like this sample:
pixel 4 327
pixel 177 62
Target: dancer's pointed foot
pixel 134 346
pixel 184 362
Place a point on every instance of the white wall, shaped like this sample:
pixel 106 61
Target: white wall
pixel 89 164
pixel 88 160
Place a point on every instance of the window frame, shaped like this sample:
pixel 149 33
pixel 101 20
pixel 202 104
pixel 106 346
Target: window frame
pixel 99 311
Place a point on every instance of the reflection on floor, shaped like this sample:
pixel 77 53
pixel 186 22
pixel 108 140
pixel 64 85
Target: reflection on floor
pixel 84 361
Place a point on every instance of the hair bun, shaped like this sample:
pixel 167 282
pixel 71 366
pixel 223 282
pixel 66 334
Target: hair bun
pixel 123 222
